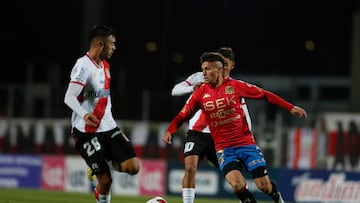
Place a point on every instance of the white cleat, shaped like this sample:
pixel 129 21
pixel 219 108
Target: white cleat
pixel 281 200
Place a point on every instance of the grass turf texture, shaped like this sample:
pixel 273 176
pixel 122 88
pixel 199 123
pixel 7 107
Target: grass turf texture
pixel 47 196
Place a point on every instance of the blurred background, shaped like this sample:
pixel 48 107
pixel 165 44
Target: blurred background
pixel 313 43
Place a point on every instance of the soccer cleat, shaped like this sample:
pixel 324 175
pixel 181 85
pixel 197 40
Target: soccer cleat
pixel 281 200
pixel 90 174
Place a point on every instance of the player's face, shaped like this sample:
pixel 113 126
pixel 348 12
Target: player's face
pixel 212 71
pixel 228 66
pixel 109 47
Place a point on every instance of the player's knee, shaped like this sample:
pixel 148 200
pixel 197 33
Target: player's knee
pixel 261 179
pixel 190 169
pixel 130 166
pixel 133 170
pixel 238 185
pixel 264 186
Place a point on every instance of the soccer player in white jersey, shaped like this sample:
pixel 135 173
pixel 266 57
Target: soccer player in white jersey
pixel 198 142
pixel 97 137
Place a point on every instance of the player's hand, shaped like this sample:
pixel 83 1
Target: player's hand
pixel 298 111
pixel 91 120
pixel 166 138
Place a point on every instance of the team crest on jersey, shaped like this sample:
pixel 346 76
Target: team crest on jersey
pixel 206 95
pixel 229 90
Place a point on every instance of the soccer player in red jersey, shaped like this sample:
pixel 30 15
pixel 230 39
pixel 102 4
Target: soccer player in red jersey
pixel 198 143
pixel 219 99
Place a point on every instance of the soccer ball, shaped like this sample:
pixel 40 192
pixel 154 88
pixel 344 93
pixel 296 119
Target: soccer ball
pixel 157 200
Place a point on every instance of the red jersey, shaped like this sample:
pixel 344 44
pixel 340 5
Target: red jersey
pixel 223 111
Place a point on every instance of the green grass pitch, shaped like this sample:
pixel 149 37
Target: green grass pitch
pixel 47 196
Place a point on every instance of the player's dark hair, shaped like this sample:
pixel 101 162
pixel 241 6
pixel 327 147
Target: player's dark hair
pixel 227 52
pixel 211 57
pixel 100 31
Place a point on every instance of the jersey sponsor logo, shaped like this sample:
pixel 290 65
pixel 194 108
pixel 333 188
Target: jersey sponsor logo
pixel 219 103
pixel 230 120
pixel 226 121
pixel 222 113
pixel 98 94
